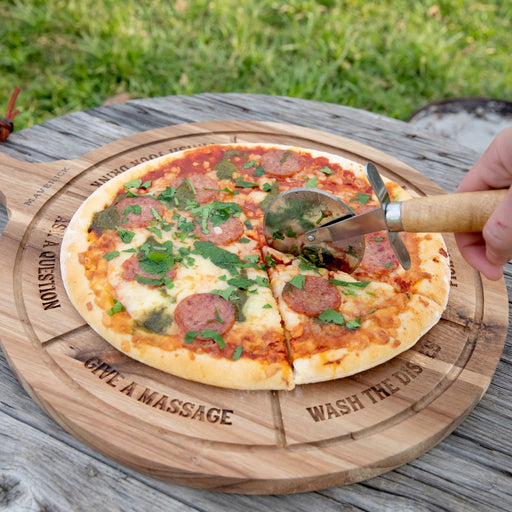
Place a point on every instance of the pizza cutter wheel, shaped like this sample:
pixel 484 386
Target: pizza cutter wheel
pixel 316 225
pixel 297 211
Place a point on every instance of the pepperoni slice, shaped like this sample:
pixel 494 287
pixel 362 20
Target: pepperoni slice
pixel 137 212
pixel 378 254
pixel 202 185
pixel 205 311
pixel 315 296
pixel 223 234
pixel 131 268
pixel 280 162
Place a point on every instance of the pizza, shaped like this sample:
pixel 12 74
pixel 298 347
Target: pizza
pixel 168 263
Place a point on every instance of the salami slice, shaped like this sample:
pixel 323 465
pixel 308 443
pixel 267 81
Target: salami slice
pixel 137 212
pixel 223 234
pixel 131 268
pixel 279 162
pixel 205 311
pixel 204 188
pixel 378 254
pixel 315 296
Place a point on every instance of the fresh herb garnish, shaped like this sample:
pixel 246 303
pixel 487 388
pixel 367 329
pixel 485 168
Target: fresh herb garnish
pixel 312 183
pixel 350 284
pixel 116 308
pixel 332 316
pixel 133 208
pixel 111 255
pixel 240 182
pixel 167 281
pixel 361 198
pixel 133 184
pixel 354 324
pixel 190 336
pixel 284 157
pixel 250 164
pixel 126 236
pixel 298 281
pixel 215 336
pixel 237 353
pixel 218 256
pixel 241 282
pixel 218 318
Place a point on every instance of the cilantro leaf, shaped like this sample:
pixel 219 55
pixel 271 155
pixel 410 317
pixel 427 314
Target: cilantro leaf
pixel 116 308
pixel 354 324
pixel 227 293
pixel 350 284
pixel 167 195
pixel 298 281
pixel 240 182
pixel 361 198
pixel 241 282
pixel 332 316
pixel 312 183
pixel 218 256
pixel 133 184
pixel 111 255
pixel 133 208
pixel 126 236
pixel 237 353
pixel 190 336
pixel 215 336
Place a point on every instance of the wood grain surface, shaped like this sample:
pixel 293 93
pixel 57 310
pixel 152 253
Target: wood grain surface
pixel 53 356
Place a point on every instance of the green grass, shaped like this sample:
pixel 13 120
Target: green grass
pixel 389 57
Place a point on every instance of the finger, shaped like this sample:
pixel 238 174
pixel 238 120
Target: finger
pixel 473 249
pixel 497 232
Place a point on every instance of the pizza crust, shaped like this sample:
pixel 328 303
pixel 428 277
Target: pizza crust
pixel 421 315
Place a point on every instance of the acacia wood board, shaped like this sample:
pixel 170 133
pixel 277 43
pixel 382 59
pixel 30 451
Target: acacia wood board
pixel 259 442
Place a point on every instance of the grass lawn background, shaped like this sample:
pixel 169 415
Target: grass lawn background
pixel 390 57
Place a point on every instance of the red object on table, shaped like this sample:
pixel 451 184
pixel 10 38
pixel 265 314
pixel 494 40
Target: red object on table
pixel 6 123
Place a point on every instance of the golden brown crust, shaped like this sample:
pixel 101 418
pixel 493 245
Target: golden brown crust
pixel 383 317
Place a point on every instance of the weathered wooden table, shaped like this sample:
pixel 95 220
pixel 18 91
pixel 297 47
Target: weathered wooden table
pixel 42 467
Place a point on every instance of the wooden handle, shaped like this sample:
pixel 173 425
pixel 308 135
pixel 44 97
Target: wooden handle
pixel 450 213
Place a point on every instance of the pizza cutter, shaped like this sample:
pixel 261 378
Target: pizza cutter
pixel 319 227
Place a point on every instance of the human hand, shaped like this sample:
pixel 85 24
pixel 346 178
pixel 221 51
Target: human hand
pixel 490 250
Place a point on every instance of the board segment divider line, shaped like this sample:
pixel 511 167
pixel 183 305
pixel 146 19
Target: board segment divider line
pixel 277 415
pixel 63 335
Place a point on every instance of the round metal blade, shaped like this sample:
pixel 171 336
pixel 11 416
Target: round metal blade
pixel 298 210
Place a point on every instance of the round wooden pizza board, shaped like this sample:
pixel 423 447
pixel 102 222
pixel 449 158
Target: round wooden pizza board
pixel 313 437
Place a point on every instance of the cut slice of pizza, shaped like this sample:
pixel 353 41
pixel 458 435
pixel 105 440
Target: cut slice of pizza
pixel 337 326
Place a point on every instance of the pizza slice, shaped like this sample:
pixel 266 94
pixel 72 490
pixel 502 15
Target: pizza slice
pixel 337 326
